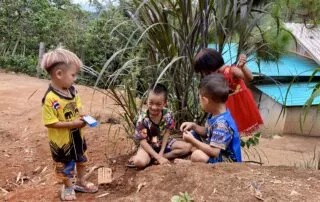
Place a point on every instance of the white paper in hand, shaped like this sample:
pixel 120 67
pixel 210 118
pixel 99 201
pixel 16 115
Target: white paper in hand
pixel 90 121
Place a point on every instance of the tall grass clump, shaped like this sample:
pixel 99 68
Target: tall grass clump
pixel 169 33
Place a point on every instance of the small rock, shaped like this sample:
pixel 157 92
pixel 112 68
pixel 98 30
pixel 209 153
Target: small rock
pixel 102 195
pixel 277 181
pixel 294 193
pixel 37 170
pixel 276 137
pixel 140 186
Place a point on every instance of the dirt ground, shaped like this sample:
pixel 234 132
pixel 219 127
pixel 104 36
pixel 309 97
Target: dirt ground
pixel 26 165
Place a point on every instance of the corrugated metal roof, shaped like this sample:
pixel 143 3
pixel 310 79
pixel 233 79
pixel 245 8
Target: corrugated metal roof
pixel 297 95
pixel 308 38
pixel 288 65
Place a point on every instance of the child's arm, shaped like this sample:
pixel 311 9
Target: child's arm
pixel 242 72
pixel 145 145
pixel 71 124
pixel 187 126
pixel 209 150
pixel 50 117
pixel 164 142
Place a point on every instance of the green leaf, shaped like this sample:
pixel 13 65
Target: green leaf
pixel 175 198
pixel 243 143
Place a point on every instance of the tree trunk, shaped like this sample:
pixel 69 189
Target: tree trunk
pixel 41 53
pixel 24 50
pixel 16 46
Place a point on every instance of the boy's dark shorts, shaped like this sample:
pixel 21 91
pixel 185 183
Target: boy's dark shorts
pixel 168 147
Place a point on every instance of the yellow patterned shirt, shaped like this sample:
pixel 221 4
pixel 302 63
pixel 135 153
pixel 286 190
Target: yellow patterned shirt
pixel 65 144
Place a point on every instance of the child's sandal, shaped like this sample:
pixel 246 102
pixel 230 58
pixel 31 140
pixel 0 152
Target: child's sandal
pixel 87 188
pixel 131 163
pixel 68 194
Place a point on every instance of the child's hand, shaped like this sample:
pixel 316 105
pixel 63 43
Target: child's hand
pixel 187 126
pixel 163 160
pixel 78 123
pixel 242 61
pixel 187 136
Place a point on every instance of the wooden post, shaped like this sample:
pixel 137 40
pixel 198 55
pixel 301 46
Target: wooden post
pixel 41 53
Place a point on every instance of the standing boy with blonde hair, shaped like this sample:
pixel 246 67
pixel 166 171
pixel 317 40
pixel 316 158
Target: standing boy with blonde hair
pixel 61 115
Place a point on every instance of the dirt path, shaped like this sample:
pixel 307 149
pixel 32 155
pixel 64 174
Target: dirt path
pixel 24 147
pixel 26 171
pixel 289 150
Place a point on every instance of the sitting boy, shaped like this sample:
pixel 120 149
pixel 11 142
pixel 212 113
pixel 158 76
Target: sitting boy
pixel 218 140
pixel 153 131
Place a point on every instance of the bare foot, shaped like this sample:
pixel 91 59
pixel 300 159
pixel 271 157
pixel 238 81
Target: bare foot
pixel 67 194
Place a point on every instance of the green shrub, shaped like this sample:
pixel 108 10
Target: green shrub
pixel 18 63
pixel 251 141
pixel 183 197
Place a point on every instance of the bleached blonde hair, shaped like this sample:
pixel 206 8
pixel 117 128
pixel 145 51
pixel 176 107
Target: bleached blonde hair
pixel 59 57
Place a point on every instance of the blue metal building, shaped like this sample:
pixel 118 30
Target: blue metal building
pixel 274 91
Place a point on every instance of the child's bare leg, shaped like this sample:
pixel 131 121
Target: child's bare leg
pixel 65 172
pixel 87 186
pixel 141 159
pixel 68 182
pixel 178 148
pixel 81 172
pixel 199 156
pixel 67 191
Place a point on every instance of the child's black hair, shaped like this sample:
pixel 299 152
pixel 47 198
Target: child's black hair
pixel 159 88
pixel 208 61
pixel 215 87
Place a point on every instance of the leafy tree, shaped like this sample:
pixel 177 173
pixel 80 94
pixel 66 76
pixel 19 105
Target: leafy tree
pixel 301 11
pixel 24 24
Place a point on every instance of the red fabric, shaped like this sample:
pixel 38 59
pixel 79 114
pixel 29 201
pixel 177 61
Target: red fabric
pixel 242 105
